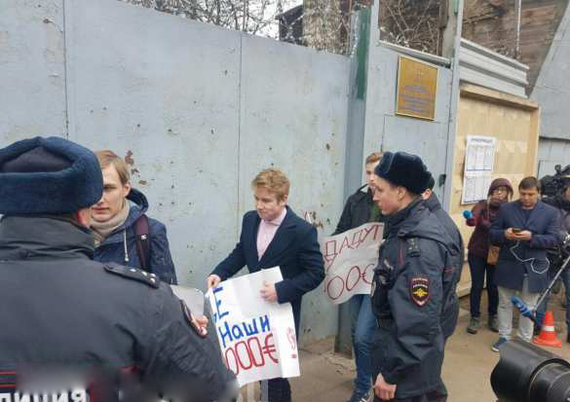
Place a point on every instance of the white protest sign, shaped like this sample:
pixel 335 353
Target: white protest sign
pixel 257 338
pixel 350 259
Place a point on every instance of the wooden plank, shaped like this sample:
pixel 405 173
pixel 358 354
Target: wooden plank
pixel 514 122
pixel 476 92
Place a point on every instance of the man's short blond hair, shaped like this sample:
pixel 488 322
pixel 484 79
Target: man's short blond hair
pixel 373 157
pixel 107 158
pixel 274 181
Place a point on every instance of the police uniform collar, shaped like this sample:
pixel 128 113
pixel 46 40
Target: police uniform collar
pixel 396 221
pixel 44 237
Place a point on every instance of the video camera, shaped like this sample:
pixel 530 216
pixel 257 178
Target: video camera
pixel 527 373
pixel 552 185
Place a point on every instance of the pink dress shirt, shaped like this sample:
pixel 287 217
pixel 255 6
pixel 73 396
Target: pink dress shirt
pixel 266 232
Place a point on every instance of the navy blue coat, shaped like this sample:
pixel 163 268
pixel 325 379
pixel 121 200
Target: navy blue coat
pixel 526 257
pixel 112 249
pixel 414 300
pixel 66 312
pixel 295 249
pixel 449 320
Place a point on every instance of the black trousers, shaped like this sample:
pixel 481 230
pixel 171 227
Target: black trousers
pixel 276 390
pixel 479 267
pixel 434 396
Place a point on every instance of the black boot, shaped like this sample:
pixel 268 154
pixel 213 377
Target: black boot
pixel 473 325
pixel 493 323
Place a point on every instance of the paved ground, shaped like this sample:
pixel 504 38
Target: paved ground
pixel 469 361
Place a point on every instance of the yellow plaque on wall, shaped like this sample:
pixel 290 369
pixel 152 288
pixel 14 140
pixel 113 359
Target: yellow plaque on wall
pixel 417 89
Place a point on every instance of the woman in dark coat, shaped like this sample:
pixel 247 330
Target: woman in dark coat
pixel 482 214
pixel 114 221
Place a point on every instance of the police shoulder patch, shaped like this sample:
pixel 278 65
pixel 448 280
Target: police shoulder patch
pixel 133 273
pixel 419 290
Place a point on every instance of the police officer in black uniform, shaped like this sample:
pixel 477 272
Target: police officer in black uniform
pixel 414 286
pixel 64 315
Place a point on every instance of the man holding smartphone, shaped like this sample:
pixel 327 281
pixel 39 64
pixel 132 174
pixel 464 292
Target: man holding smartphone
pixel 524 230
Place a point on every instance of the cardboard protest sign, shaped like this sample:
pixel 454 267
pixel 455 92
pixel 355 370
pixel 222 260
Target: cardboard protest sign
pixel 350 259
pixel 257 338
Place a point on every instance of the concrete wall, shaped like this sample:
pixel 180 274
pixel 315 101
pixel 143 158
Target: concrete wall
pixel 552 152
pixel 197 109
pixel 552 92
pixel 32 69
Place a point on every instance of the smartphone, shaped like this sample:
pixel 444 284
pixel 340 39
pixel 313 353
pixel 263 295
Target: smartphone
pixel 517 230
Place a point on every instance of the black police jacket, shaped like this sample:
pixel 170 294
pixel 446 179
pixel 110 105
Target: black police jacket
pixel 451 314
pixel 61 310
pixel 356 211
pixel 413 292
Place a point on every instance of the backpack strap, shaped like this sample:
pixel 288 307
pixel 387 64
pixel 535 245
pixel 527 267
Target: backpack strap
pixel 142 238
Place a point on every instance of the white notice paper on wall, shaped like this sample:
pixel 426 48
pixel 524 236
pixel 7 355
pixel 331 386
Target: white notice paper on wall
pixel 479 163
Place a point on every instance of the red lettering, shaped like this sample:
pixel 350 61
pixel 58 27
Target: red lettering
pixel 337 285
pixel 256 352
pixel 355 269
pixel 356 238
pixel 345 243
pixel 270 348
pixel 368 274
pixel 235 366
pixel 367 231
pixel 245 355
pixel 338 290
pixel 242 354
pixel 362 235
pixel 377 231
pixel 330 253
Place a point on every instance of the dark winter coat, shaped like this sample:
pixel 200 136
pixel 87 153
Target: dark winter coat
pixel 558 255
pixel 450 320
pixel 517 259
pixel 563 206
pixel 121 247
pixel 413 289
pixel 483 214
pixel 356 211
pixel 61 307
pixel 294 249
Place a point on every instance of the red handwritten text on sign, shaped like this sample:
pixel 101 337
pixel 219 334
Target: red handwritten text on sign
pixel 250 353
pixel 336 247
pixel 350 259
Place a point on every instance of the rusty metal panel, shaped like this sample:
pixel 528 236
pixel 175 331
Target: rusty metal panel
pixel 294 111
pixel 195 110
pixel 198 111
pixel 163 91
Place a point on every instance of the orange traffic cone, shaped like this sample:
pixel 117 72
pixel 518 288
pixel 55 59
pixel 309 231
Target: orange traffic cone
pixel 547 335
